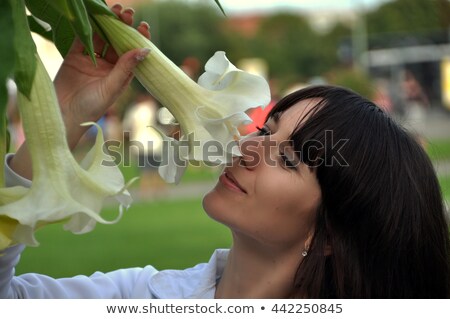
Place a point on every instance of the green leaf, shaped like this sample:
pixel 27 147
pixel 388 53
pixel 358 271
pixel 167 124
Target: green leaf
pixel 37 28
pixel 63 36
pixel 63 33
pixel 24 49
pixel 62 7
pixel 220 7
pixel 98 7
pixel 68 18
pixel 82 25
pixel 6 54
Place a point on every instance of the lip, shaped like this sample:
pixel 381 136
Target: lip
pixel 228 180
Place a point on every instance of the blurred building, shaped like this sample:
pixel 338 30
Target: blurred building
pixel 246 25
pixel 426 58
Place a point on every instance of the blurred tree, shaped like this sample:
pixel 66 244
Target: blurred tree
pixel 184 30
pixel 408 21
pixel 334 45
pixel 292 48
pixel 444 13
pixel 353 79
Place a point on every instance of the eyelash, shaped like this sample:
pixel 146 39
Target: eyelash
pixel 263 131
pixel 283 158
pixel 286 162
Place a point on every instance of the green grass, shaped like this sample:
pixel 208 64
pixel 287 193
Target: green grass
pixel 445 187
pixel 165 234
pixel 439 149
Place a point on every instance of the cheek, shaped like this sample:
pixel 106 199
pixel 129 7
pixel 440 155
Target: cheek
pixel 276 191
pixel 289 201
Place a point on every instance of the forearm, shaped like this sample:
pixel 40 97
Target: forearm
pixel 21 162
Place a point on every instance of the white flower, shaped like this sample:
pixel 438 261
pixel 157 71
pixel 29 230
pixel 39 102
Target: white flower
pixel 61 190
pixel 209 113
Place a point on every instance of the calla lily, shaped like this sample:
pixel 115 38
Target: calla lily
pixel 209 112
pixel 62 190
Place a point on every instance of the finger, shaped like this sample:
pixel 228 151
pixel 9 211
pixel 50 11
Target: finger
pixel 122 73
pixel 117 9
pixel 127 16
pixel 111 55
pixel 144 29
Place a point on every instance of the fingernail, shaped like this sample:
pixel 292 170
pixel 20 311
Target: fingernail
pixel 129 10
pixel 142 54
pixel 118 6
pixel 146 24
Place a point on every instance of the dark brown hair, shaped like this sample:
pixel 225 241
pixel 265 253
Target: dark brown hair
pixel 382 211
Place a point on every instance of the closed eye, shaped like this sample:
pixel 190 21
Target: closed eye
pixel 286 162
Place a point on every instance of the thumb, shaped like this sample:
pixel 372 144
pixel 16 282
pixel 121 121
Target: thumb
pixel 122 73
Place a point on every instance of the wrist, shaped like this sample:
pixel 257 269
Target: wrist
pixel 73 117
pixel 74 132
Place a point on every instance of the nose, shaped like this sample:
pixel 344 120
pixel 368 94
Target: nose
pixel 255 151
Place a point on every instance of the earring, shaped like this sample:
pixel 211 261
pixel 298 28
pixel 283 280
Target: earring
pixel 305 251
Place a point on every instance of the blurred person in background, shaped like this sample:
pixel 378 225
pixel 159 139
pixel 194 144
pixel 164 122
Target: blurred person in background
pixel 416 105
pixel 145 143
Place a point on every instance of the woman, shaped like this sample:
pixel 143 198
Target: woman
pixel 353 192
pixel 330 198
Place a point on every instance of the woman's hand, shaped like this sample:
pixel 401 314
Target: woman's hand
pixel 85 91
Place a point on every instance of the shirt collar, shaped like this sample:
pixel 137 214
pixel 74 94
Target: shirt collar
pixel 198 282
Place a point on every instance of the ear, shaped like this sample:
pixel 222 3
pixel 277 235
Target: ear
pixel 328 250
pixel 309 239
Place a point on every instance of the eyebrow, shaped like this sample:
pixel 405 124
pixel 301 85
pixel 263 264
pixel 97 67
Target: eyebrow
pixel 275 118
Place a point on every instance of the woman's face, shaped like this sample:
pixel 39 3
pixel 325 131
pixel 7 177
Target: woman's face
pixel 266 194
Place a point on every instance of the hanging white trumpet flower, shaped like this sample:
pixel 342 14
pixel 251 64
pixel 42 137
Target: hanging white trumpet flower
pixel 62 190
pixel 209 112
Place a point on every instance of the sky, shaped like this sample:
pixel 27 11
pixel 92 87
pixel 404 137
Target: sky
pixel 244 6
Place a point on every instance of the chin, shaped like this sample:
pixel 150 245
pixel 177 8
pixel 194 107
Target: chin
pixel 213 206
pixel 208 202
